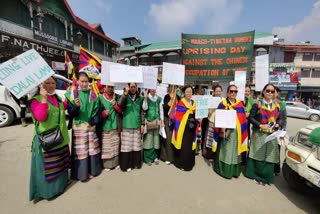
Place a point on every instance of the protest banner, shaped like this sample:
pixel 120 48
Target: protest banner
pixel 240 82
pixel 216 57
pixel 120 73
pixel 24 72
pixel 213 102
pixel 150 78
pixel 173 74
pixel 201 106
pixel 262 71
pixel 225 118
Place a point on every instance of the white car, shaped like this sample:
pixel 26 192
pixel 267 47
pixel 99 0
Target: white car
pixel 9 107
pixel 301 168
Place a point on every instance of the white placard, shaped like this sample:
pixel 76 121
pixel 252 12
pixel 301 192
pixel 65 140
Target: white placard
pixel 24 72
pixel 150 77
pixel 201 106
pixel 59 66
pixel 213 102
pixel 105 73
pixel 225 118
pixel 240 82
pixel 274 135
pixel 162 91
pixel 120 73
pixel 173 74
pixel 262 71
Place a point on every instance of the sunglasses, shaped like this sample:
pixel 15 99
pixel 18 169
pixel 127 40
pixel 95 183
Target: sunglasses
pixel 270 91
pixel 233 91
pixel 110 86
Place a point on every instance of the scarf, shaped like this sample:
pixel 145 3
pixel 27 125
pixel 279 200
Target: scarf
pixel 183 110
pixel 268 115
pixel 241 125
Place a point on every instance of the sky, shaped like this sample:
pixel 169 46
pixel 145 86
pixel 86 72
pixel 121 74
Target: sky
pixel 165 20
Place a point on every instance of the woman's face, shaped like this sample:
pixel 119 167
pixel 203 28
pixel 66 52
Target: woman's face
pixel 268 93
pixel 232 93
pixel 50 85
pixel 188 93
pixel 109 89
pixel 133 88
pixel 83 82
pixel 153 92
pixel 217 92
pixel 247 92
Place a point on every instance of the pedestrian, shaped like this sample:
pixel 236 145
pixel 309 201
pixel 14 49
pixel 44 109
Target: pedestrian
pixel 151 140
pixel 231 142
pixel 209 130
pixel 133 123
pixel 49 168
pixel 185 131
pixel 166 150
pixel 111 128
pixel 86 152
pixel 265 119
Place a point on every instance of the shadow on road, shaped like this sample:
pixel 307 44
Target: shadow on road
pixel 307 203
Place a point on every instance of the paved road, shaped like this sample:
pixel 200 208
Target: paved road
pixel 153 189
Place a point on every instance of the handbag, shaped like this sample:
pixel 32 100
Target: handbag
pixel 50 138
pixel 152 125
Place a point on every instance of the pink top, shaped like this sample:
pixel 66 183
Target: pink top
pixel 40 110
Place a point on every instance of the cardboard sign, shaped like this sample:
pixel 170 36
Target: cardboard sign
pixel 173 74
pixel 213 102
pixel 120 73
pixel 24 72
pixel 225 118
pixel 262 71
pixel 240 82
pixel 150 78
pixel 201 106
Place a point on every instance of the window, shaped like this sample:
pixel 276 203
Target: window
pixel 315 73
pixel 305 73
pixel 98 46
pixel 307 57
pixel 304 140
pixel 316 57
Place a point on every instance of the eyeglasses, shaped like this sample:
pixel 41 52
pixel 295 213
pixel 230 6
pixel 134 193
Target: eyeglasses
pixel 233 91
pixel 270 91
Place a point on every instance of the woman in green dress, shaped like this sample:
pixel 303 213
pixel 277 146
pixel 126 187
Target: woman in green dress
pixel 49 169
pixel 265 119
pixel 231 142
pixel 151 140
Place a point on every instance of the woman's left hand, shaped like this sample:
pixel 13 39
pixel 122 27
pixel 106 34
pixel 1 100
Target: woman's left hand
pixel 142 129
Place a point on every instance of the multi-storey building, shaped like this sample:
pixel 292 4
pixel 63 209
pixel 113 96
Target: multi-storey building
pixel 50 27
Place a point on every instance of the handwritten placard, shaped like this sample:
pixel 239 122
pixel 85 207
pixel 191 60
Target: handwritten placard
pixel 24 72
pixel 225 118
pixel 201 106
pixel 150 78
pixel 173 74
pixel 240 82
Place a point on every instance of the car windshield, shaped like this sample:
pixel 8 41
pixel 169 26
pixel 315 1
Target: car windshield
pixel 304 140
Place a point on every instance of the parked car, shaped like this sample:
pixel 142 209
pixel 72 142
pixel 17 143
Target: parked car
pixel 301 168
pixel 9 106
pixel 296 109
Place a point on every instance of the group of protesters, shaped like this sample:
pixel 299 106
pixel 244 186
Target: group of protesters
pixel 112 131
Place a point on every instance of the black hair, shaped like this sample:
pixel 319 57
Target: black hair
pixel 230 87
pixel 197 87
pixel 133 83
pixel 248 86
pixel 264 88
pixel 186 87
pixel 217 86
pixel 277 89
pixel 80 74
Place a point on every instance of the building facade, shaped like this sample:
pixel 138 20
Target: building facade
pixel 50 27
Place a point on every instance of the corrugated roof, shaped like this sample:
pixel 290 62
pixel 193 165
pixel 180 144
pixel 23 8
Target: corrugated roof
pixel 169 45
pixel 258 35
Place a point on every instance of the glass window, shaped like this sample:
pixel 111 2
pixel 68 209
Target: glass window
pixel 307 57
pixel 304 140
pixel 316 57
pixel 315 73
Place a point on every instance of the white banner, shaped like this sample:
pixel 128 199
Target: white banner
pixel 240 82
pixel 225 118
pixel 24 72
pixel 105 73
pixel 120 73
pixel 173 74
pixel 262 71
pixel 150 77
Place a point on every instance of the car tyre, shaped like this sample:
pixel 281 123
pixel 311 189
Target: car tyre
pixel 314 117
pixel 295 181
pixel 6 116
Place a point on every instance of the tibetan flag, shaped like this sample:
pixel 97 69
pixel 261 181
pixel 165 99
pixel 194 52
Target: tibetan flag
pixel 173 107
pixel 74 88
pixel 94 92
pixel 89 63
pixel 67 62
